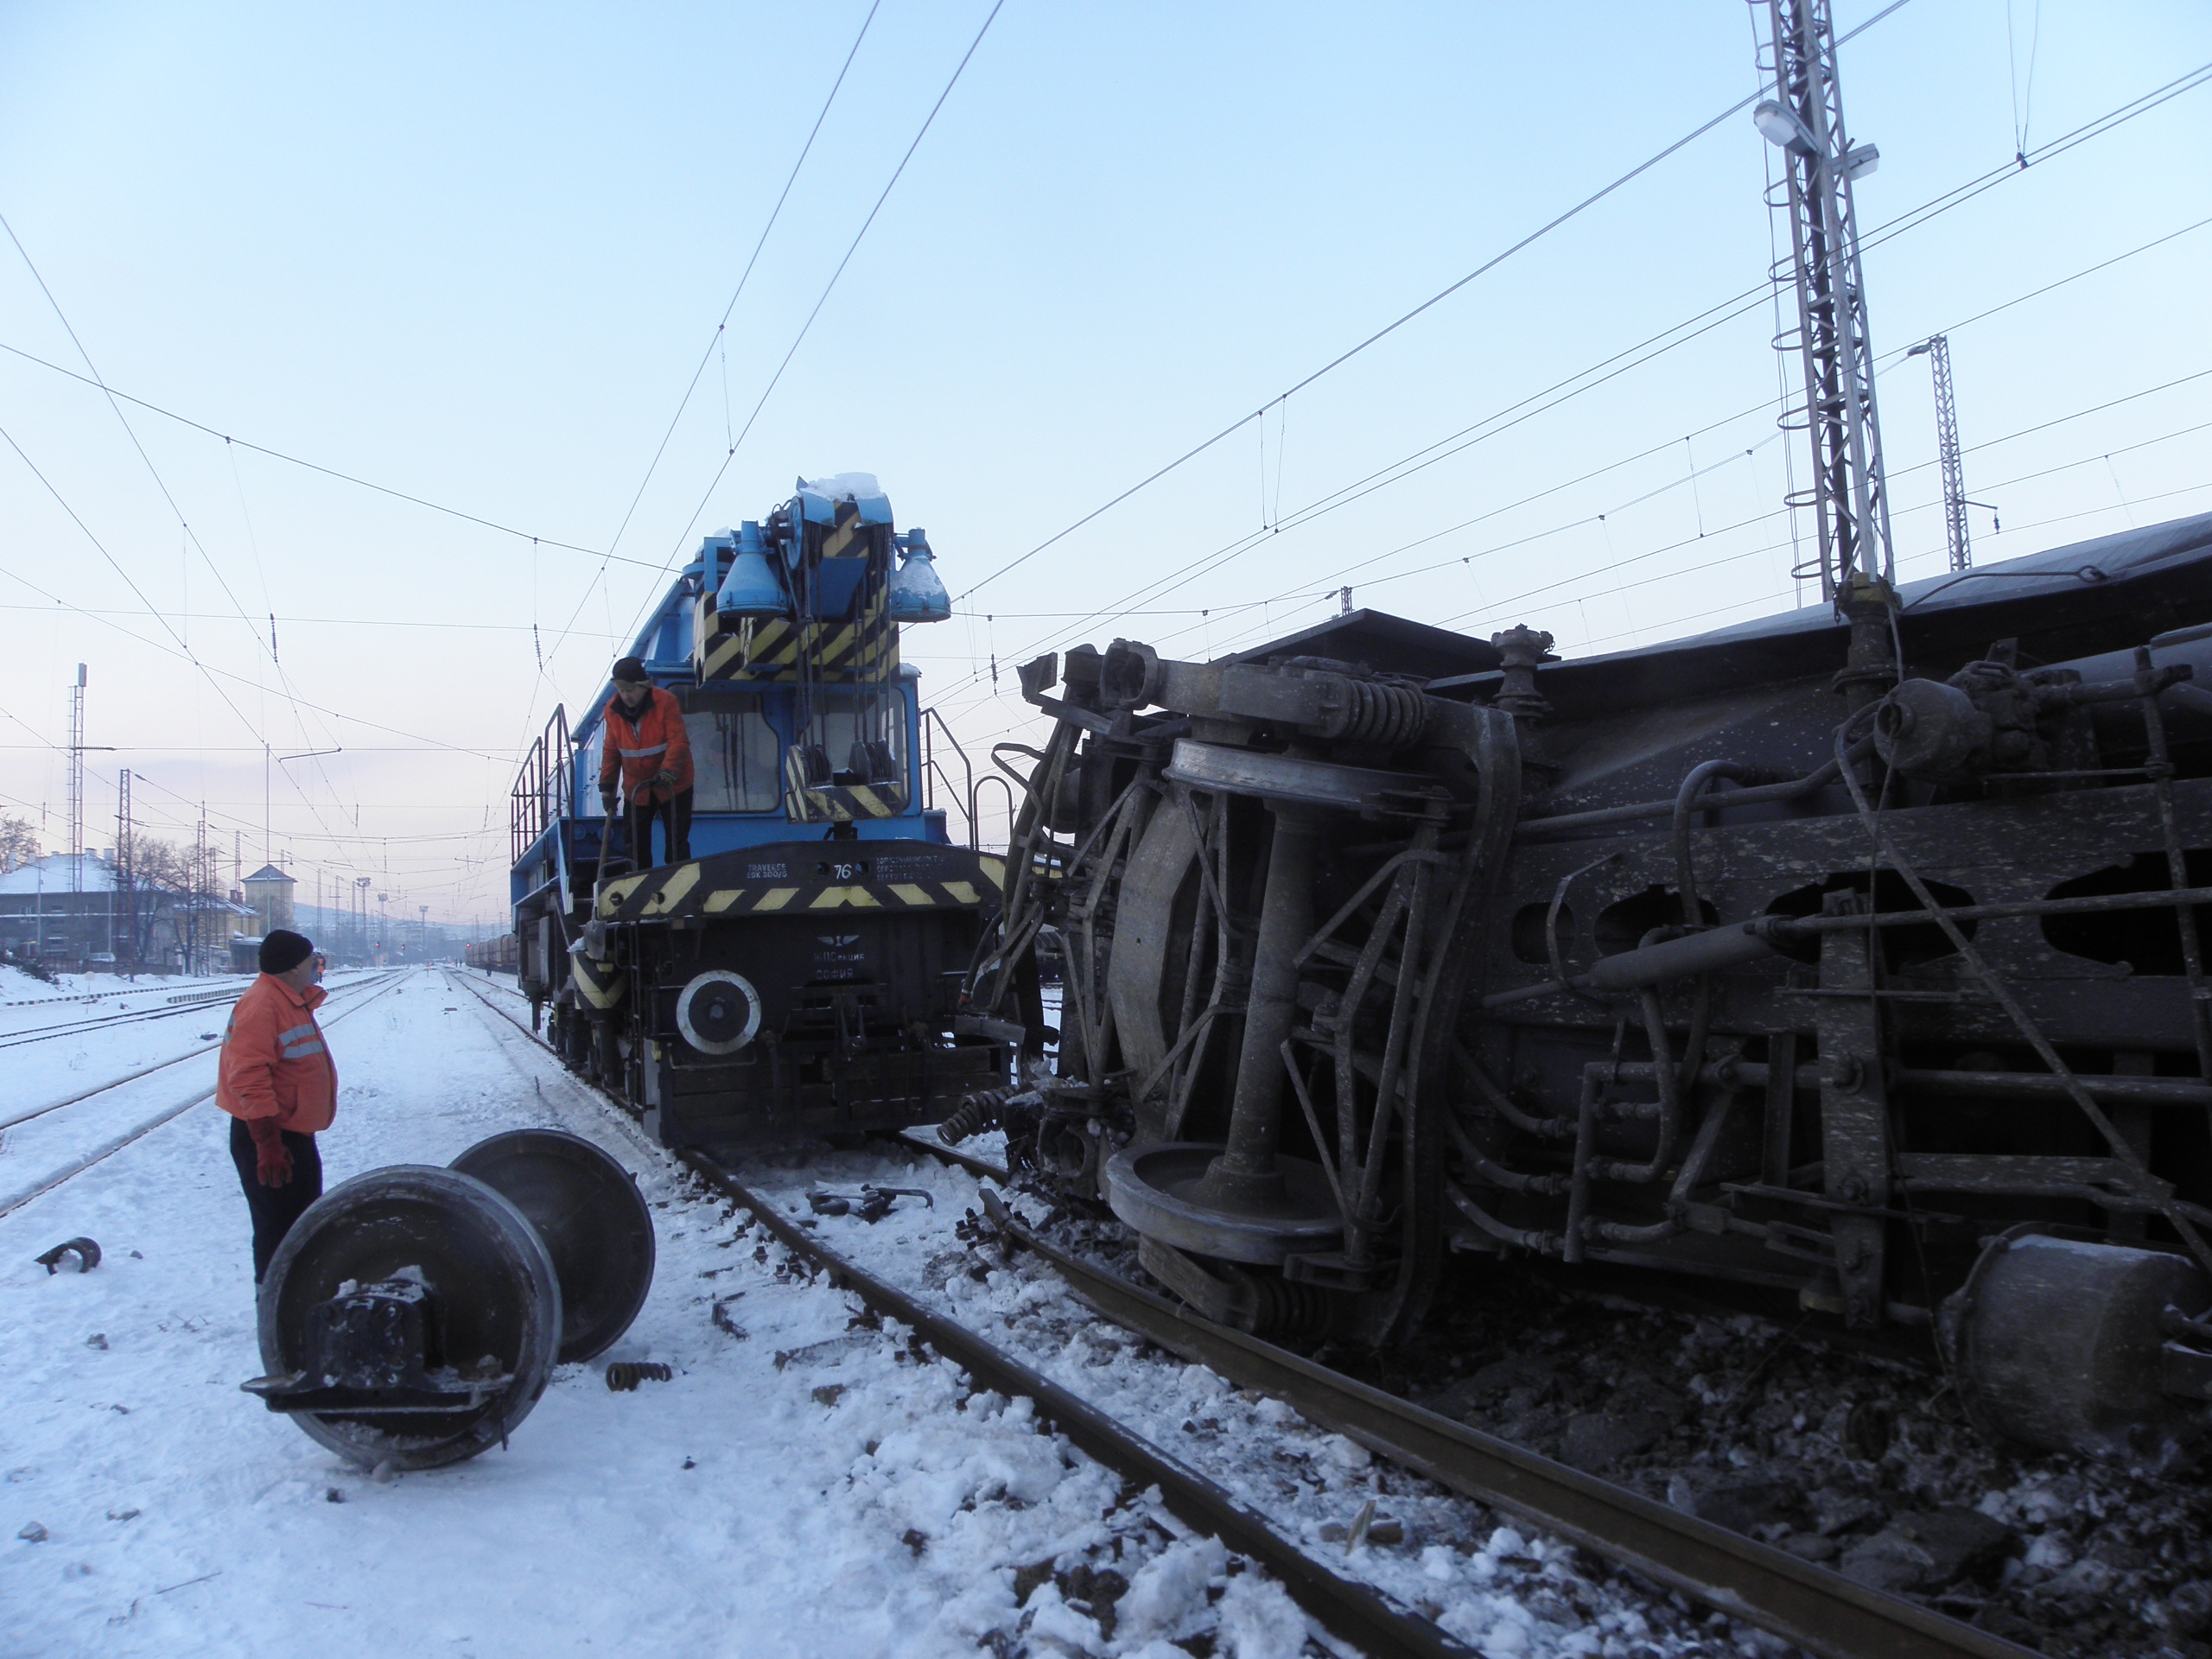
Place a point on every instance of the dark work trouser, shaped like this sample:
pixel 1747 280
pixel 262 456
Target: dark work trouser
pixel 675 817
pixel 275 1208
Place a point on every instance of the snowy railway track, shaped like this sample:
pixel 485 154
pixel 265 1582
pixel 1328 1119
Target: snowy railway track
pixel 193 1052
pixel 1347 1609
pixel 1815 1609
pixel 14 1196
pixel 1351 1611
pixel 194 1003
pixel 1819 1611
pixel 1805 1605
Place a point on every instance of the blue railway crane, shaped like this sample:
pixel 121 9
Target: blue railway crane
pixel 799 974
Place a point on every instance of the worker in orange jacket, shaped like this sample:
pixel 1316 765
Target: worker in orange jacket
pixel 645 745
pixel 280 1086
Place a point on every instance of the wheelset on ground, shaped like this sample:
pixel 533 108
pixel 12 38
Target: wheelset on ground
pixel 413 1316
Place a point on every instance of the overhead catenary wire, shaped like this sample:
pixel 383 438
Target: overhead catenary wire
pixel 736 442
pixel 1739 305
pixel 716 340
pixel 234 441
pixel 1933 553
pixel 1322 591
pixel 682 538
pixel 182 655
pixel 1392 326
pixel 184 524
pixel 1321 587
pixel 1504 604
pixel 130 582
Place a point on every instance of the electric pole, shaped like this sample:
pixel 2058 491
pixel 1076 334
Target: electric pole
pixel 77 791
pixel 1937 349
pixel 1804 120
pixel 123 913
pixel 203 882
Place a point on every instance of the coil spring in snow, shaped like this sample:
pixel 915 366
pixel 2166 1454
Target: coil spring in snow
pixel 624 1374
pixel 1389 716
pixel 975 1114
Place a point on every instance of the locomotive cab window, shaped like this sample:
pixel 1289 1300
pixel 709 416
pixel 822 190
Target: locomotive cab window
pixel 734 751
pixel 863 736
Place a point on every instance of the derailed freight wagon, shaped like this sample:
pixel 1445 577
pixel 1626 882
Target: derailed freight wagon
pixel 1856 959
pixel 799 975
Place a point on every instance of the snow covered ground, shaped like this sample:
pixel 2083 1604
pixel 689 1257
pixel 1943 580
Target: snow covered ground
pixel 1495 1587
pixel 18 988
pixel 806 1485
pixel 140 1058
pixel 852 1500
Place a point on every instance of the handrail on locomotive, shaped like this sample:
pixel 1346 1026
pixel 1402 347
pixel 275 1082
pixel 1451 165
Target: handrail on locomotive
pixel 544 789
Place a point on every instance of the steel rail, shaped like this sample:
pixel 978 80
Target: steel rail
pixel 924 1139
pixel 1351 1611
pixel 12 1201
pixel 1819 1611
pixel 114 1021
pixel 158 1065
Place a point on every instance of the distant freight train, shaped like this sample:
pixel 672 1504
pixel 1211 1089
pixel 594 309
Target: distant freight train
pixel 498 956
pixel 799 974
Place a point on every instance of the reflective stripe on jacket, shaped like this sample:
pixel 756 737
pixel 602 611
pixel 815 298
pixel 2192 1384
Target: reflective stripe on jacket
pixel 639 745
pixel 274 1062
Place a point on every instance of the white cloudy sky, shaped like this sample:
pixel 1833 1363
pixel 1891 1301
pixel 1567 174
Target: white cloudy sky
pixel 474 254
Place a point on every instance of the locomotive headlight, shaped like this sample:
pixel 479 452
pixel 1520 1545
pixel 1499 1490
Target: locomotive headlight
pixel 719 1012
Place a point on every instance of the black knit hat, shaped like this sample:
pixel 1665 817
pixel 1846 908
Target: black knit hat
pixel 629 668
pixel 281 951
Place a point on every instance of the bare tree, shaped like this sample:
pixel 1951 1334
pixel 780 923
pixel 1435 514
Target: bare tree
pixel 18 842
pixel 163 862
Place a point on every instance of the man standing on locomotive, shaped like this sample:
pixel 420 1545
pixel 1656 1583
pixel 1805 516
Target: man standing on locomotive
pixel 645 745
pixel 279 1084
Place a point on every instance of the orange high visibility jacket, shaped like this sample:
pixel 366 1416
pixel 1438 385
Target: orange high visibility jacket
pixel 640 745
pixel 274 1062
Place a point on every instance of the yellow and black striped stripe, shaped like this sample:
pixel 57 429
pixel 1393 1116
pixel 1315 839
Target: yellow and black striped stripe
pixel 847 537
pixel 860 650
pixel 600 985
pixel 964 882
pixel 808 803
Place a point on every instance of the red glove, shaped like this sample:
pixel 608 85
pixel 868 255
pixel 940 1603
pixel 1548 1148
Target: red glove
pixel 272 1164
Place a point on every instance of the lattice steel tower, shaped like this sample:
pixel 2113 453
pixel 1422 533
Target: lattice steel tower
pixel 1938 350
pixel 122 911
pixel 1804 119
pixel 77 783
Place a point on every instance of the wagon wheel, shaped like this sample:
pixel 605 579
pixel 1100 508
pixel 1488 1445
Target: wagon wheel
pixel 1384 946
pixel 594 1221
pixel 1182 961
pixel 494 1304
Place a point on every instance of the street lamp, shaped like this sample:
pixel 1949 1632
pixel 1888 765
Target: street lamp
pixel 1783 128
pixel 1786 129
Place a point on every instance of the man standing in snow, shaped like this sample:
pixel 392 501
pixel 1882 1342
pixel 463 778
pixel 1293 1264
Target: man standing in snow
pixel 646 746
pixel 279 1085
